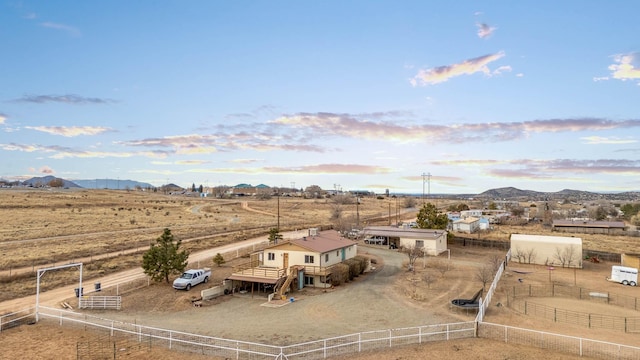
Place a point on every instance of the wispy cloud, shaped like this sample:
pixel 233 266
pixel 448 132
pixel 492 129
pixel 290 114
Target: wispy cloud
pixel 3 118
pixel 192 162
pixel 66 99
pixel 304 169
pixel 444 73
pixel 62 27
pixel 598 140
pixel 62 152
pixel 549 169
pixel 70 131
pixel 199 143
pixel 626 67
pixel 484 30
pixel 245 161
pixel 332 124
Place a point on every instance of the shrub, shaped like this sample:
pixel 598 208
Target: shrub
pixel 339 274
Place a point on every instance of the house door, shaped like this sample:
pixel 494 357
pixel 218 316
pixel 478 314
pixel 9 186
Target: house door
pixel 344 255
pixel 285 263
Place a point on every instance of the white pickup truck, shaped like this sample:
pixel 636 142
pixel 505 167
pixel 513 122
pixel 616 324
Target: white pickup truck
pixel 191 278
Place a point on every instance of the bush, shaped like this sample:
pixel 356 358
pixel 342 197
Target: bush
pixel 339 274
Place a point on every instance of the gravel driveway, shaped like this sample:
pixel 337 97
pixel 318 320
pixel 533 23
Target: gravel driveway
pixel 368 303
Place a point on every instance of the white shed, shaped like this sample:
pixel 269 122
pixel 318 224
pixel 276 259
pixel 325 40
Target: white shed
pixel 547 250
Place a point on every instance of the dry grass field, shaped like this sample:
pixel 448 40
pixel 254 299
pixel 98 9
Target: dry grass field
pixel 110 229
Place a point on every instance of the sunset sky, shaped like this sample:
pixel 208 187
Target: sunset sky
pixel 361 95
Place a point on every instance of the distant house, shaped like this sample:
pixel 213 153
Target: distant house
pixel 547 250
pixel 477 213
pixel 467 225
pixel 306 261
pixel 589 227
pixel 433 242
pixel 249 190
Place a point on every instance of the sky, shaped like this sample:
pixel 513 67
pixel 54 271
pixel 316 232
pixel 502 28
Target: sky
pixel 410 96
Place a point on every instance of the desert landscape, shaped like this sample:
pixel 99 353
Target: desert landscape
pixel 68 225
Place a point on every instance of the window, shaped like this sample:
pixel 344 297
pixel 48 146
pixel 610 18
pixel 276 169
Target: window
pixel 308 280
pixel 338 253
pixel 419 243
pixel 308 259
pixel 326 257
pixel 271 256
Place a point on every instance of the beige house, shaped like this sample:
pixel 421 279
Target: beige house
pixel 306 261
pixel 467 225
pixel 547 250
pixel 434 242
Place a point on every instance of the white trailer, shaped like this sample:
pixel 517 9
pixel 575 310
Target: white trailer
pixel 624 275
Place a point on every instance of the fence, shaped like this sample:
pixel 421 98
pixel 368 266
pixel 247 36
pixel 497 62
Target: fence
pixel 557 290
pixel 484 303
pixel 26 316
pixel 100 302
pixel 320 349
pixel 556 342
pixel 619 323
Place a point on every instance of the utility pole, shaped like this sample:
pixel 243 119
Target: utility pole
pixel 428 176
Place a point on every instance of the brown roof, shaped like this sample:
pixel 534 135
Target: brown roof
pixel 592 224
pixel 323 242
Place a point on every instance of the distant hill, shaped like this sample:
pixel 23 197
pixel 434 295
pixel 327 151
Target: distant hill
pixel 511 193
pixel 46 180
pixel 113 184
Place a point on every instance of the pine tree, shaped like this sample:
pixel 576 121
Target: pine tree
pixel 430 218
pixel 219 259
pixel 165 258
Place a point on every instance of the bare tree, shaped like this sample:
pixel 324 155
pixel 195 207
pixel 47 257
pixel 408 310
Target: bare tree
pixel 567 256
pixel 531 255
pixel 413 253
pixel 484 274
pixel 519 254
pixel 496 262
pixel 428 278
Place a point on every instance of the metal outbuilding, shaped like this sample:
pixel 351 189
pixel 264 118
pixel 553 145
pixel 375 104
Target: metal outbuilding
pixel 561 251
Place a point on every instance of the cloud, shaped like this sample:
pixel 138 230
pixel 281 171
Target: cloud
pixel 444 73
pixel 3 118
pixel 62 27
pixel 192 162
pixel 61 152
pixel 246 161
pixel 66 99
pixel 597 140
pixel 626 67
pixel 202 143
pixel 70 131
pixel 46 170
pixel 346 125
pixel 484 30
pixel 555 169
pixel 330 169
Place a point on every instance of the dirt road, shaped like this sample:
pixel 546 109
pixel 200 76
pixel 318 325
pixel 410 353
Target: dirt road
pixel 53 297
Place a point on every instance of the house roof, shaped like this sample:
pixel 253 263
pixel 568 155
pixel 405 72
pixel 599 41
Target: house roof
pixel 412 233
pixel 322 242
pixel 589 224
pixel 469 220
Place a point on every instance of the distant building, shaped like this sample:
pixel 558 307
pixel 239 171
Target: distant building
pixel 433 242
pixel 467 225
pixel 589 227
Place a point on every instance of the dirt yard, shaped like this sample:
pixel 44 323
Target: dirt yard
pixel 387 297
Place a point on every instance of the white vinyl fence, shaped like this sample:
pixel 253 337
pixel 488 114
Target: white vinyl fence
pixel 207 345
